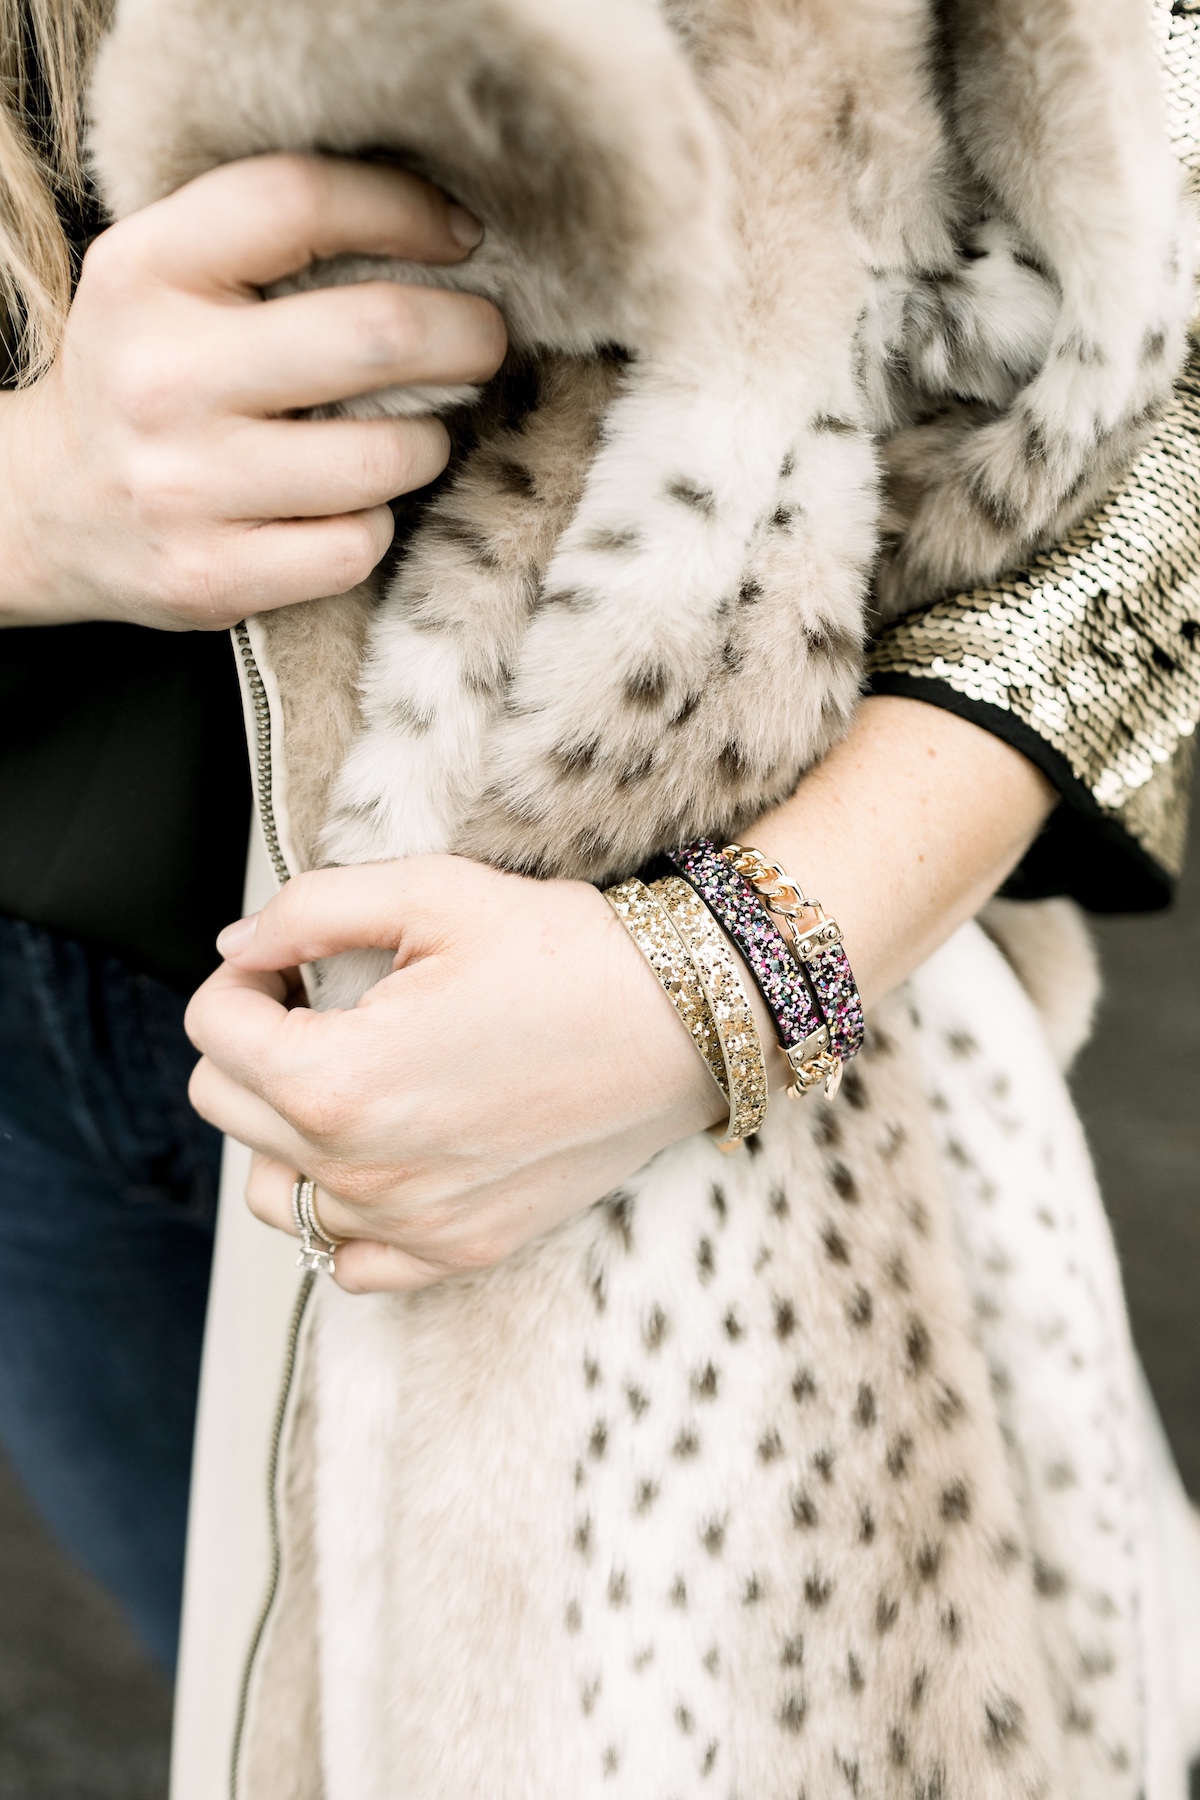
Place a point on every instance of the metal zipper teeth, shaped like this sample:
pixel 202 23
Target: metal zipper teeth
pixel 260 707
pixel 262 751
pixel 289 1373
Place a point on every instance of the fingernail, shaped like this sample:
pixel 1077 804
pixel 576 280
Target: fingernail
pixel 235 937
pixel 465 228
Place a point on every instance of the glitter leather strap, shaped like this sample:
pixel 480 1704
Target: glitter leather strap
pixel 649 925
pixel 737 908
pixel 833 981
pixel 741 1047
pixel 817 945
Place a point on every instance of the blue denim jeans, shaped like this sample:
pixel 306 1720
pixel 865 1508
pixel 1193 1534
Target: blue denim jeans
pixel 108 1187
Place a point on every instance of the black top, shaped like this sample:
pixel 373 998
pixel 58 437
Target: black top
pixel 124 790
pixel 124 782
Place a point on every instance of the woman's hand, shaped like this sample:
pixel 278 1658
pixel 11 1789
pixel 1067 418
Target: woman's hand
pixel 153 474
pixel 520 1062
pixel 523 1060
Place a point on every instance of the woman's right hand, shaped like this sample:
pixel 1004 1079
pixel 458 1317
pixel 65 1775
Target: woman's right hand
pixel 153 474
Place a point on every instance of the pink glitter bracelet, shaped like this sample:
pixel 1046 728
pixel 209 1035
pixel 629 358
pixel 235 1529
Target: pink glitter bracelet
pixel 833 982
pixel 779 975
pixel 819 948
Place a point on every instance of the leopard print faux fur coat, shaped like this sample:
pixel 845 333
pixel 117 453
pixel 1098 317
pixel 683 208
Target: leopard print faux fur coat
pixel 815 309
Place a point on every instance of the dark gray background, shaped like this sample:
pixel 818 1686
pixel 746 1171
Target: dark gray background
pixel 83 1717
pixel 1138 1088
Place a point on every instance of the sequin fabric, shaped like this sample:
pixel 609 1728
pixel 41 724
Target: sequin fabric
pixel 736 907
pixel 1096 646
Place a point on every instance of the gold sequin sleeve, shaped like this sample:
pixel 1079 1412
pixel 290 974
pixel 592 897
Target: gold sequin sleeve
pixel 1089 660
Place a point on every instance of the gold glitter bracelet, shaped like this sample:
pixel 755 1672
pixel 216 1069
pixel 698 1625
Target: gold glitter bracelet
pixel 650 927
pixel 716 965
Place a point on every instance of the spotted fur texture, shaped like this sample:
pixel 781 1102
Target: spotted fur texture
pixel 637 609
pixel 1056 110
pixel 757 1531
pixel 1049 1318
pixel 717 1489
pixel 755 1534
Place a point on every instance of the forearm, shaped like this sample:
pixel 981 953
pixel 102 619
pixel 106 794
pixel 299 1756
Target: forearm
pixel 905 830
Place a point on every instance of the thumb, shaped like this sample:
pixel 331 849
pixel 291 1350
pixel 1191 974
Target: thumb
pixel 373 906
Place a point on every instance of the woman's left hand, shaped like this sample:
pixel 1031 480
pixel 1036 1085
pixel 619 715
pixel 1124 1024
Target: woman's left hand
pixel 519 1062
pixel 522 1060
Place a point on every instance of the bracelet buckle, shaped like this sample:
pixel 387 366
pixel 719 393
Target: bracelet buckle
pixel 824 1067
pixel 820 937
pixel 807 1048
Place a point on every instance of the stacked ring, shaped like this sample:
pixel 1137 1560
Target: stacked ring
pixel 317 1246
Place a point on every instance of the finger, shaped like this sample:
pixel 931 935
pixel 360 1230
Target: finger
pixel 257 568
pixel 361 1265
pixel 269 1188
pixel 246 1117
pixel 275 985
pixel 318 468
pixel 366 1267
pixel 372 906
pixel 237 1020
pixel 250 223
pixel 269 1197
pixel 327 343
pixel 304 1066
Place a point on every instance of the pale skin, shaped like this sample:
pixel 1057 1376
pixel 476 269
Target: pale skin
pixel 154 476
pixel 496 1082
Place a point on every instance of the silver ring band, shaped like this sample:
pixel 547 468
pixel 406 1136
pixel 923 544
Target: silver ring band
pixel 308 1202
pixel 316 1245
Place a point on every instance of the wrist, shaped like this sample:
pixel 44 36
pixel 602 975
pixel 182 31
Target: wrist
pixel 727 1053
pixel 671 1072
pixel 793 951
pixel 30 591
pixel 905 830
